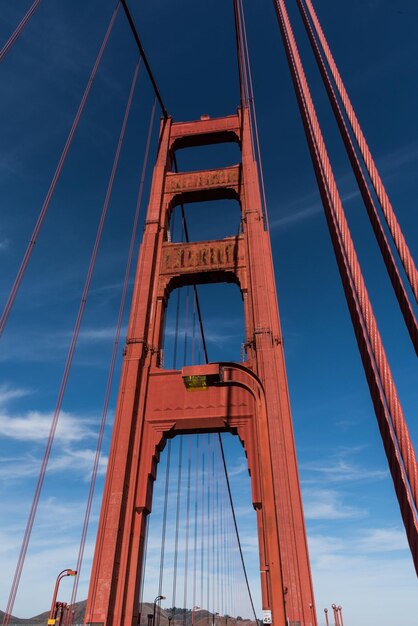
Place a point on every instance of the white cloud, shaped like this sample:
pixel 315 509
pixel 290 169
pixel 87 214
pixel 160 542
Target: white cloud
pixel 381 540
pixel 8 393
pixel 339 470
pixel 357 572
pixel 326 504
pixel 35 426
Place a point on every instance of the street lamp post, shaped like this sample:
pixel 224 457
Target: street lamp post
pixel 157 599
pixel 214 618
pixel 326 616
pixel 340 610
pixel 61 575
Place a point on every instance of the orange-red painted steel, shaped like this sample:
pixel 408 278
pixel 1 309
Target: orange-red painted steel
pixel 249 400
pixel 394 431
pixel 395 277
pixel 403 250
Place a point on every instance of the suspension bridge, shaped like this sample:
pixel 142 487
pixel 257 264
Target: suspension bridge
pixel 191 405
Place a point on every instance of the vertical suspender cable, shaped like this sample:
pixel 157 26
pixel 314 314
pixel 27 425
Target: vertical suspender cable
pixel 176 534
pixel 243 85
pixel 17 32
pixel 199 313
pixel 397 283
pixel 69 359
pixel 196 505
pixel 176 330
pixel 218 534
pixel 379 188
pixel 194 329
pixel 164 527
pixel 208 516
pixel 113 357
pixel 394 431
pixel 186 556
pixel 254 112
pixel 214 606
pixel 57 174
pixel 202 527
pixel 231 502
pixel 186 327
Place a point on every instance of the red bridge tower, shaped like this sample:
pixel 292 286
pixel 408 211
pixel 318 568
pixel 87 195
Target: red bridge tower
pixel 251 400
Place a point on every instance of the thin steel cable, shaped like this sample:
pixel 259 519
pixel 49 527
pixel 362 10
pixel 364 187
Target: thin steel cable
pixel 57 174
pixel 186 235
pixel 176 534
pixel 69 359
pixel 196 505
pixel 231 502
pixel 392 222
pixel 395 277
pixel 18 30
pixel 164 526
pixel 254 116
pixel 194 327
pixel 208 515
pixel 176 329
pixel 202 526
pixel 218 534
pixel 143 569
pixel 243 83
pixel 213 518
pixel 134 232
pixel 186 328
pixel 186 556
pixel 394 431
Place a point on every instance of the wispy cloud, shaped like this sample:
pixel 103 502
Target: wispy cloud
pixel 4 245
pixel 34 426
pixel 327 504
pixel 307 208
pixel 300 209
pixel 381 540
pixel 8 393
pixel 339 470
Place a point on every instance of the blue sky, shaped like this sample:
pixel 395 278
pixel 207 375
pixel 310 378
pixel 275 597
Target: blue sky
pixel 358 548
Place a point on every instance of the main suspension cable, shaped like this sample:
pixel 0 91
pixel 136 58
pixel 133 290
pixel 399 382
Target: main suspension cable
pixel 392 222
pixel 57 174
pixel 69 360
pixel 395 277
pixel 394 431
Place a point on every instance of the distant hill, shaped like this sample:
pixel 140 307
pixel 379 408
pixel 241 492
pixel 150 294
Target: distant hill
pixel 179 617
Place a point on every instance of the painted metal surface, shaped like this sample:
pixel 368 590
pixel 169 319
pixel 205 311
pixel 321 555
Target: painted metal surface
pixel 250 401
pixel 391 421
